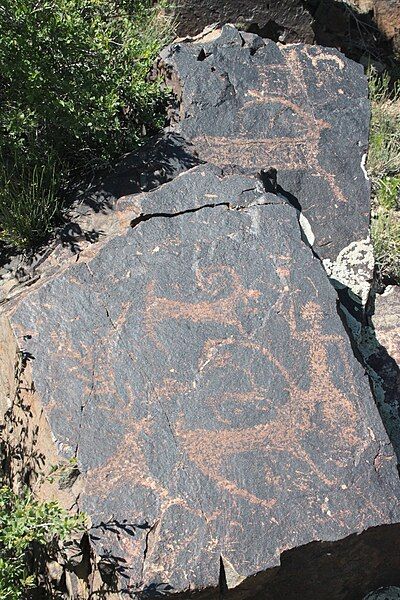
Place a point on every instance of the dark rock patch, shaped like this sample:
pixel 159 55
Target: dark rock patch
pixel 384 358
pixel 287 19
pixel 387 320
pixel 362 29
pixel 161 159
pixel 92 202
pixel 374 333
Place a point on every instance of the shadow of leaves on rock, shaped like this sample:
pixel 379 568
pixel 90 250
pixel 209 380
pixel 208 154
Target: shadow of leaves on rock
pixel 115 571
pixel 21 459
pixel 337 24
pixel 157 162
pixel 72 233
pixel 118 527
pixel 155 590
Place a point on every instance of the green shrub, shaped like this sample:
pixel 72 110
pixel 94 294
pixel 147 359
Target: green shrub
pixel 74 74
pixel 388 192
pixel 384 150
pixel 25 521
pixel 384 170
pixel 29 200
pixel 73 82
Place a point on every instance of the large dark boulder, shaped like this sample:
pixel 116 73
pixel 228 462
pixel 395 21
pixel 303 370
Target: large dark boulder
pixel 288 20
pixel 300 109
pixel 359 28
pixel 194 364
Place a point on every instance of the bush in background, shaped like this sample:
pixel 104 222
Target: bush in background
pixel 73 91
pixel 384 170
pixel 25 522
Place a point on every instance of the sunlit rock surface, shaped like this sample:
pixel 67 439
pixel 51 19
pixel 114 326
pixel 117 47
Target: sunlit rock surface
pixel 249 103
pixel 195 366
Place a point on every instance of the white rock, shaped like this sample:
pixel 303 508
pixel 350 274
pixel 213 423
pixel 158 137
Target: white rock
pixel 353 268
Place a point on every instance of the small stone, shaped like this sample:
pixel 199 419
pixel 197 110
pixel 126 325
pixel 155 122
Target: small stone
pixel 55 571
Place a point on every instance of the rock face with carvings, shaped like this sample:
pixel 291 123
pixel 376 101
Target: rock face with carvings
pixel 193 363
pixel 195 366
pixel 302 110
pixel 384 358
pixel 387 321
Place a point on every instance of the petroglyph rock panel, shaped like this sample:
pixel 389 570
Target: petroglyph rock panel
pixel 195 365
pixel 253 104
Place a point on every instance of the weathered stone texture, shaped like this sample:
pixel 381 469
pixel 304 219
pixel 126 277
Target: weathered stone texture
pixel 193 359
pixel 384 359
pixel 387 321
pixel 288 18
pixel 377 341
pixel 301 109
pixel 327 22
pixel 386 15
pixel 195 365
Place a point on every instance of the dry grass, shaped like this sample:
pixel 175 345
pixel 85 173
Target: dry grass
pixel 384 170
